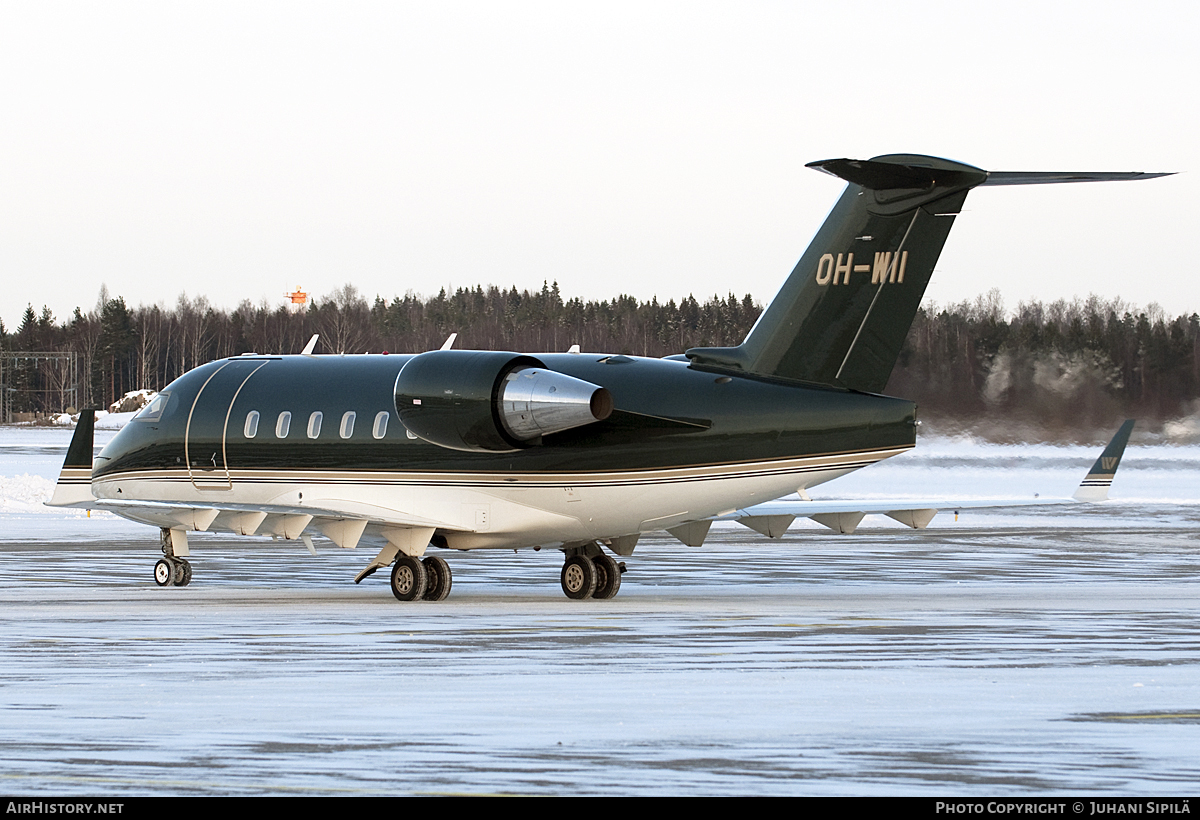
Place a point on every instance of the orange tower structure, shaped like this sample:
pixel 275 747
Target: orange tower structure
pixel 299 299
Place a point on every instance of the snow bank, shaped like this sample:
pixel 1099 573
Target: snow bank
pixel 132 401
pixel 24 493
pixel 112 421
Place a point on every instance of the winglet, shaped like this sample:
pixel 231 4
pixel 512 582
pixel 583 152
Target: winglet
pixel 1095 485
pixel 74 487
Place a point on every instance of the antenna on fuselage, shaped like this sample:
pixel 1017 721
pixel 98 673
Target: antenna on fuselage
pixel 312 344
pixel 449 343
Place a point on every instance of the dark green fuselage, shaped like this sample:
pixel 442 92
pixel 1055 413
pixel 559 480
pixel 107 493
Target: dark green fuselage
pixel 667 415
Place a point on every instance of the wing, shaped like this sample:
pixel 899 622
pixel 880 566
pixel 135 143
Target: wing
pixel 774 517
pixel 344 524
pixel 266 519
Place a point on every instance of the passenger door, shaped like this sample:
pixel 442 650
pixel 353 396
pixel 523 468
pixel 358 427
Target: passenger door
pixel 208 424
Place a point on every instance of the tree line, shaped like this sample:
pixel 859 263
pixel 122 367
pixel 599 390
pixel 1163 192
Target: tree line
pixel 1083 364
pixel 1080 364
pixel 123 348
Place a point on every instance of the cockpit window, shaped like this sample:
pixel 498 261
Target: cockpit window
pixel 154 410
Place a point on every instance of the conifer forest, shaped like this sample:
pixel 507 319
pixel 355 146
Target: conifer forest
pixel 1070 369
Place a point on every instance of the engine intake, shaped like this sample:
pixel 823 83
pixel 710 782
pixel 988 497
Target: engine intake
pixel 492 401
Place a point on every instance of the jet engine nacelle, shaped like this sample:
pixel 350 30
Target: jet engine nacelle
pixel 478 400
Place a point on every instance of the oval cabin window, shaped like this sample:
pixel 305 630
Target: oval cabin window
pixel 314 424
pixel 251 429
pixel 347 428
pixel 379 429
pixel 283 424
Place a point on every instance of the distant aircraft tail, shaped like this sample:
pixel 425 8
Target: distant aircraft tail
pixel 842 316
pixel 1095 485
pixel 74 487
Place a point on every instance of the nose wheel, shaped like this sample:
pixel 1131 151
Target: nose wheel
pixel 172 572
pixel 172 569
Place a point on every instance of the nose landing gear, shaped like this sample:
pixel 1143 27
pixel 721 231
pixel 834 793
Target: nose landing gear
pixel 173 572
pixel 173 569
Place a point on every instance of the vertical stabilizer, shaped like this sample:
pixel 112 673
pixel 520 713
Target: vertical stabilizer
pixel 1095 485
pixel 842 316
pixel 74 487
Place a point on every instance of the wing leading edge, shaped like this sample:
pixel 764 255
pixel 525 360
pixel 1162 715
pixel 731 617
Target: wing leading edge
pixel 774 517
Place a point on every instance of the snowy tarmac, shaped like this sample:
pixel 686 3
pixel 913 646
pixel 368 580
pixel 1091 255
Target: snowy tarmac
pixel 1038 652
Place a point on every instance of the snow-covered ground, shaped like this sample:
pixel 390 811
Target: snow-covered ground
pixel 30 460
pixel 1011 653
pixel 1026 661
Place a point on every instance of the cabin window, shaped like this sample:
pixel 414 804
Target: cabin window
pixel 282 424
pixel 379 430
pixel 314 424
pixel 251 429
pixel 347 428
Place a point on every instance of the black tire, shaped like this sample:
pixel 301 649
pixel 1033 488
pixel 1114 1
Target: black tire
pixel 608 577
pixel 187 573
pixel 182 574
pixel 408 578
pixel 578 577
pixel 437 578
pixel 164 572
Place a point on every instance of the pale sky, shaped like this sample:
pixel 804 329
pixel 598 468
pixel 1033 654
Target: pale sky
pixel 236 150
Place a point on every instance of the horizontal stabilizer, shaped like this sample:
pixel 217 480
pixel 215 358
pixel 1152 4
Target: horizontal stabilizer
pixel 1054 177
pixel 906 174
pixel 912 174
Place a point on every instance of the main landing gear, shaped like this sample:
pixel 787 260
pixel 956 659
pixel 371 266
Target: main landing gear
pixel 597 576
pixel 414 579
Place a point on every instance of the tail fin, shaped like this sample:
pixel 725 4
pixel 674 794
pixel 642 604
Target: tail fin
pixel 1095 485
pixel 74 487
pixel 842 316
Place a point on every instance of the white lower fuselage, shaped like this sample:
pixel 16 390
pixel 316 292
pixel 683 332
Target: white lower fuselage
pixel 476 511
